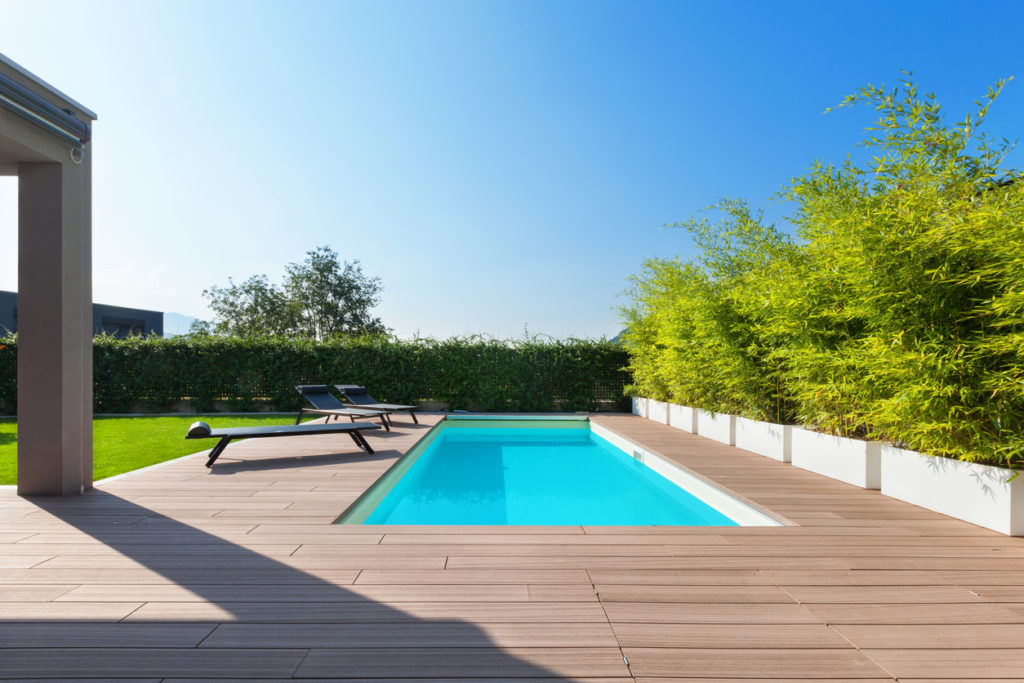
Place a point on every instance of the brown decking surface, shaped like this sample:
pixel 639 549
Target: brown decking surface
pixel 179 573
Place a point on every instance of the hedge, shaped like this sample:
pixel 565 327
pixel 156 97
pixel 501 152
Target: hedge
pixel 895 313
pixel 244 374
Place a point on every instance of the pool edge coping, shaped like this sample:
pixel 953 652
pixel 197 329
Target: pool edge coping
pixel 701 478
pixel 424 441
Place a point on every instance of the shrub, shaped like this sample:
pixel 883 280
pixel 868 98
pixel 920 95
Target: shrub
pixel 700 333
pixel 474 373
pixel 897 314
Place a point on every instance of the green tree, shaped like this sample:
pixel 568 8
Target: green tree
pixel 320 298
pixel 254 307
pixel 327 298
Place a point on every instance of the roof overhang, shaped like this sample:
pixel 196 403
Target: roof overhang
pixel 36 101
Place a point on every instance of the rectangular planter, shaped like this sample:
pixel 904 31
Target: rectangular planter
pixel 855 462
pixel 771 440
pixel 717 426
pixel 657 411
pixel 979 494
pixel 682 417
pixel 640 406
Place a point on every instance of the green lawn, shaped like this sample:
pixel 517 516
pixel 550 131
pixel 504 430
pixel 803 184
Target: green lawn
pixel 122 444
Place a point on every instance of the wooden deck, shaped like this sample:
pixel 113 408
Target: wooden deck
pixel 178 573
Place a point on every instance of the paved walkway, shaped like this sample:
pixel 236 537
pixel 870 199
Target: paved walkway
pixel 178 573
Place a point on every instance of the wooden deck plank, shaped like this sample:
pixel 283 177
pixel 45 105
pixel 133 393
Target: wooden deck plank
pixel 692 594
pixel 27 592
pixel 146 551
pixel 112 662
pixel 471 576
pixel 273 592
pixel 77 634
pixel 491 550
pixel 463 662
pixel 373 612
pixel 946 595
pixel 243 566
pixel 391 679
pixel 759 664
pixel 866 577
pixel 144 575
pixel 936 613
pixel 709 613
pixel 676 577
pixel 356 560
pixel 802 679
pixel 986 664
pixel 22 561
pixel 681 538
pixel 413 635
pixel 66 611
pixel 930 636
pixel 743 636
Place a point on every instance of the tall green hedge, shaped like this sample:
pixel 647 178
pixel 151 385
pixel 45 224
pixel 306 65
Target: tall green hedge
pixel 896 312
pixel 157 375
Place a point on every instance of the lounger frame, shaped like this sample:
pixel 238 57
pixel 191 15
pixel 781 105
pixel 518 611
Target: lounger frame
pixel 360 397
pixel 325 403
pixel 226 436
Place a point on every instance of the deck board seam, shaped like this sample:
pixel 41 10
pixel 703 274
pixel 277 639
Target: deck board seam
pixel 611 626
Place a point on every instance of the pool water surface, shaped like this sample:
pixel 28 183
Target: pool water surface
pixel 555 473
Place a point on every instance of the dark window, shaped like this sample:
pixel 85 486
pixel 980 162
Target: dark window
pixel 122 327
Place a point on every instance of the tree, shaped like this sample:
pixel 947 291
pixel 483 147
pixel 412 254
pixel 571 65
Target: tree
pixel 327 299
pixel 253 308
pixel 320 298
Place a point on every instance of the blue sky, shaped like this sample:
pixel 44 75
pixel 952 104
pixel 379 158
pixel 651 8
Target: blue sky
pixel 499 165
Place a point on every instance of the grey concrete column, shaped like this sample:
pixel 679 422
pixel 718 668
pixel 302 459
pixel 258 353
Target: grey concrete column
pixel 54 328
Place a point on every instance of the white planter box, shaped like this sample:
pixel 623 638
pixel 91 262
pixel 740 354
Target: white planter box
pixel 640 406
pixel 657 411
pixel 772 440
pixel 682 417
pixel 978 494
pixel 855 462
pixel 717 426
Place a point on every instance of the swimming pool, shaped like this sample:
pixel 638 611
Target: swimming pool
pixel 554 470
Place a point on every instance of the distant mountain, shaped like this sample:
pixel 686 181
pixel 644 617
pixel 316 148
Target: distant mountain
pixel 176 323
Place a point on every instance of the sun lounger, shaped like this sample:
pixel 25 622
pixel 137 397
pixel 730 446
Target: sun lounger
pixel 201 430
pixel 358 396
pixel 325 403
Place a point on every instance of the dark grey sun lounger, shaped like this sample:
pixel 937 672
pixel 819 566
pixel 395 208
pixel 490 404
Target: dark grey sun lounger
pixel 361 398
pixel 201 430
pixel 325 403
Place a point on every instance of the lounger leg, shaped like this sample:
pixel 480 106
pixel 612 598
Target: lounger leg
pixel 387 427
pixel 361 442
pixel 366 444
pixel 414 417
pixel 299 418
pixel 217 450
pixel 387 417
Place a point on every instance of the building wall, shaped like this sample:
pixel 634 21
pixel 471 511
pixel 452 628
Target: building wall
pixel 116 321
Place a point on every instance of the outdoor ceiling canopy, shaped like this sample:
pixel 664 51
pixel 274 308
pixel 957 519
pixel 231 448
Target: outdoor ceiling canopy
pixel 34 108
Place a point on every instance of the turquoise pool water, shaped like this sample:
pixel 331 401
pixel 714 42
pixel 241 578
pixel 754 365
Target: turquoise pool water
pixel 557 473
